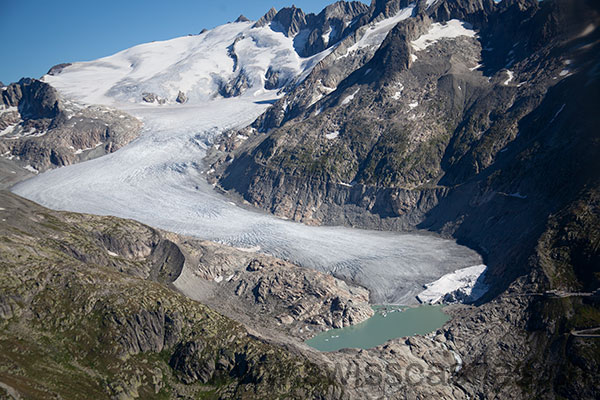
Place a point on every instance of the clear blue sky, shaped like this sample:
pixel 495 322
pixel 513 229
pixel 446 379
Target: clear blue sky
pixel 37 34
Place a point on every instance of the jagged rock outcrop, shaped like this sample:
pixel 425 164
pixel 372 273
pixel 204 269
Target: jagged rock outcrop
pixel 265 292
pixel 57 69
pixel 236 86
pixel 314 33
pixel 150 97
pixel 265 19
pixel 41 131
pixel 289 21
pixel 181 97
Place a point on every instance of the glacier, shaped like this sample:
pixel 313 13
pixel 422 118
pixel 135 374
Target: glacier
pixel 159 178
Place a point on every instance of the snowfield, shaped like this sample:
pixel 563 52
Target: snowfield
pixel 376 32
pixel 452 29
pixel 195 65
pixel 459 286
pixel 159 178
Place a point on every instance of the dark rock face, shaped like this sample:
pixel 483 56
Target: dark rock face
pixel 34 99
pixel 289 21
pixel 272 80
pixel 57 69
pixel 181 97
pixel 191 364
pixel 149 97
pixel 168 261
pixel 242 18
pixel 235 87
pixel 334 22
pixel 148 331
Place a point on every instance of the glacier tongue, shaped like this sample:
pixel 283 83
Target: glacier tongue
pixel 158 179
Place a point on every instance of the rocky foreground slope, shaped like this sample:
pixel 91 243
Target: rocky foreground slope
pixel 85 312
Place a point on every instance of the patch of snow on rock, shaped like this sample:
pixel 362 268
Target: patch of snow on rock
pixel 80 151
pixel 459 286
pixel 31 169
pixel 459 361
pixel 8 130
pixel 332 135
pixel 254 249
pixel 557 113
pixel 517 195
pixel 511 75
pixel 377 32
pixel 451 30
pixel 348 99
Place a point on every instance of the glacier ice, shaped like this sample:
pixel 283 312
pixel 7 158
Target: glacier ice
pixel 158 178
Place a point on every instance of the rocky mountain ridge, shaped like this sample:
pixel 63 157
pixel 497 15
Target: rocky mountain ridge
pixel 383 153
pixel 314 33
pixel 473 119
pixel 39 130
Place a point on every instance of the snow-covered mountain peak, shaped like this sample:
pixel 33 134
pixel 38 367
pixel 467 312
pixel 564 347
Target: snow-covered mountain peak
pixel 230 60
pixel 244 58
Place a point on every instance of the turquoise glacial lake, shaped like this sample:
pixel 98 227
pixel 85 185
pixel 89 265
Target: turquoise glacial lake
pixel 389 322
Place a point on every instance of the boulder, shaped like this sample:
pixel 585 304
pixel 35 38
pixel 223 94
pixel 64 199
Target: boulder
pixel 181 97
pixel 149 97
